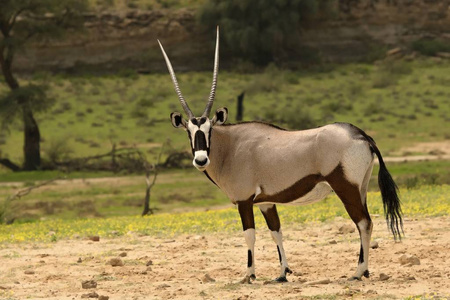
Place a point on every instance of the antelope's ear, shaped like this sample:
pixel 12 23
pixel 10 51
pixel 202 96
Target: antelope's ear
pixel 220 117
pixel 177 120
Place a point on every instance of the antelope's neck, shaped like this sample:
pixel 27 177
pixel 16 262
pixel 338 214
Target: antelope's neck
pixel 218 154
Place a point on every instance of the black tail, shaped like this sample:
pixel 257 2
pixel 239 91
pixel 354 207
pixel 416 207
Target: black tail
pixel 388 188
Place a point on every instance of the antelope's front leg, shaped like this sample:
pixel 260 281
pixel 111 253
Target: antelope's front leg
pixel 248 223
pixel 270 213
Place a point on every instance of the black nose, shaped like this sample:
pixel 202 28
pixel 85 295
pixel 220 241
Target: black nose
pixel 201 162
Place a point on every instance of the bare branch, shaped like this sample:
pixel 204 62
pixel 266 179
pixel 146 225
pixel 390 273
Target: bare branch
pixel 28 190
pixel 9 164
pixel 13 19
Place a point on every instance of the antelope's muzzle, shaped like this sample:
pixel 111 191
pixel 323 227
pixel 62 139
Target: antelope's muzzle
pixel 201 160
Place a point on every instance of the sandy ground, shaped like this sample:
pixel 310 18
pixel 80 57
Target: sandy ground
pixel 174 268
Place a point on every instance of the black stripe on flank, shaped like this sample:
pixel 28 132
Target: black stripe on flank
pixel 295 191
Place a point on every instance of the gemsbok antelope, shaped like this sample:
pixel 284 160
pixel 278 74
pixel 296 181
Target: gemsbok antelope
pixel 256 163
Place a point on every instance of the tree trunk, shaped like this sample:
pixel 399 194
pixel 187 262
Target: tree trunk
pixel 32 136
pixel 147 209
pixel 32 140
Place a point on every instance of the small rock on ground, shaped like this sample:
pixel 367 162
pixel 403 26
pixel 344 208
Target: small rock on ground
pixel 374 244
pixel 162 286
pixel 149 263
pixel 89 284
pixel 123 254
pixel 409 259
pixel 206 278
pixel 90 295
pixel 29 272
pixel 115 262
pixel 102 297
pixel 347 228
pixel 384 277
pixel 94 238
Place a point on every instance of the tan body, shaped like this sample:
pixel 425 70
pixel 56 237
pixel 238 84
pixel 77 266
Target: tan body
pixel 253 159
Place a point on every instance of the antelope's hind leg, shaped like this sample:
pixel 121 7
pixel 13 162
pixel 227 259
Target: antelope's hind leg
pixel 354 201
pixel 270 213
pixel 248 223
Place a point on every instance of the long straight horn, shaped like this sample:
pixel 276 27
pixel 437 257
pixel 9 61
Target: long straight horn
pixel 212 95
pixel 175 83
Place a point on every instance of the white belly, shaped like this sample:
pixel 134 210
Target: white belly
pixel 320 191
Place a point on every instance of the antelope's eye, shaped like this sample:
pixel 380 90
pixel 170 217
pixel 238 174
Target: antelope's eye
pixel 194 121
pixel 203 120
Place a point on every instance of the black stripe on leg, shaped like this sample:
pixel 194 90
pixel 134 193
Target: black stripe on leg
pixel 361 255
pixel 250 259
pixel 279 253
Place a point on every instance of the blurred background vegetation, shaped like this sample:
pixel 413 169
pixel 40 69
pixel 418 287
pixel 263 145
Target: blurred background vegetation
pixel 91 75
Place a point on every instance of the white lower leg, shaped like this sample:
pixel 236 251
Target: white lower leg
pixel 277 237
pixel 250 240
pixel 365 230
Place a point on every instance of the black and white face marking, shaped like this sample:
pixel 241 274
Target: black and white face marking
pixel 199 130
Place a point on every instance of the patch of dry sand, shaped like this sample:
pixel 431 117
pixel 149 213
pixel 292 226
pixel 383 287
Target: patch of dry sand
pixel 177 265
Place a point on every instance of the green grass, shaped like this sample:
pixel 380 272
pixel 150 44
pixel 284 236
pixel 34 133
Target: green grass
pixel 6 176
pixel 81 195
pixel 110 196
pixel 92 112
pixel 415 174
pixel 425 201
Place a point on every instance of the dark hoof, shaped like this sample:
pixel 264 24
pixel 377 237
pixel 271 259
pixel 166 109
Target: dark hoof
pixel 365 274
pixel 281 279
pixel 287 270
pixel 353 278
pixel 248 279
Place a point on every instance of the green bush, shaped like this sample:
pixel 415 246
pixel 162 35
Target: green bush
pixel 295 117
pixel 298 118
pixel 261 31
pixel 430 46
pixel 389 72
